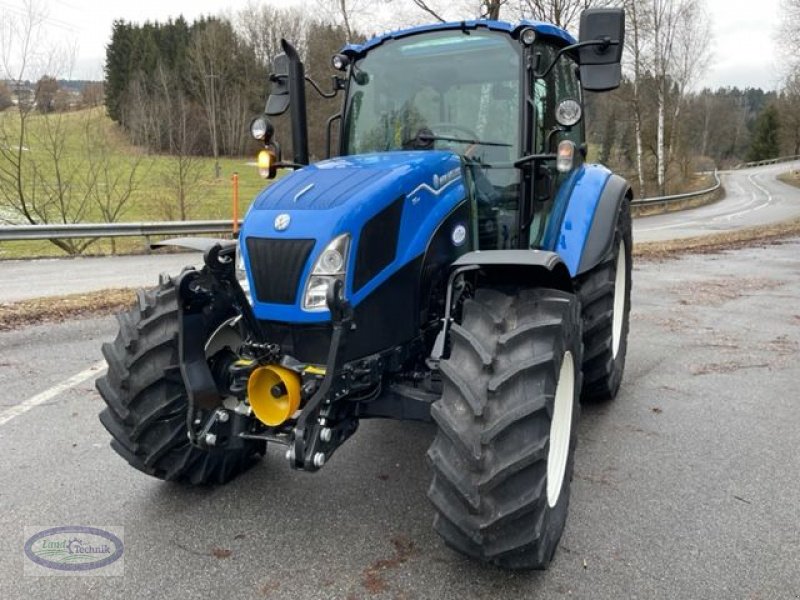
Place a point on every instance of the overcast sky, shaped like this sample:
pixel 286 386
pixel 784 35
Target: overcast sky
pixel 743 50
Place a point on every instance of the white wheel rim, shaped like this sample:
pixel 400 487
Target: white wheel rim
pixel 620 282
pixel 560 429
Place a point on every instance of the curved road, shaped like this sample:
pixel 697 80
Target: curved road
pixel 754 197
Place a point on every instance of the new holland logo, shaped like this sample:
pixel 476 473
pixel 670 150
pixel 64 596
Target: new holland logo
pixel 282 222
pixel 439 181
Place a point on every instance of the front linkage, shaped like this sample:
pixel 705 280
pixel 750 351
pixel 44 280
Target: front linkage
pixel 220 412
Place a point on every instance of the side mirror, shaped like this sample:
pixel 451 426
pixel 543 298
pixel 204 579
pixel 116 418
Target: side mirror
pixel 600 66
pixel 278 100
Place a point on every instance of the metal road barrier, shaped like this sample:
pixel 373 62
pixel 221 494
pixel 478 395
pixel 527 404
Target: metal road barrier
pixel 769 161
pixel 673 198
pixel 102 230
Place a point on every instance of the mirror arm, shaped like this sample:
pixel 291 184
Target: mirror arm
pixel 315 85
pixel 604 44
pixel 533 158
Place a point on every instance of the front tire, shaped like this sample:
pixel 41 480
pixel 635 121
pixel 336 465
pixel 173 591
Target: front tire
pixel 503 455
pixel 147 400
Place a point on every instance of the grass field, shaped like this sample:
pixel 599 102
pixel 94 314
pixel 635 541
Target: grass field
pixel 155 196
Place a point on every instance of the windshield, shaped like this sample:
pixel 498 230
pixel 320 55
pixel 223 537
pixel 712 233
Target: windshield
pixel 447 90
pixel 462 86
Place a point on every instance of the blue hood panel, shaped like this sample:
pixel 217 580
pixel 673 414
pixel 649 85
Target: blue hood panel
pixel 341 195
pixel 330 183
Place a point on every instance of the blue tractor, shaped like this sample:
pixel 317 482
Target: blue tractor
pixel 458 262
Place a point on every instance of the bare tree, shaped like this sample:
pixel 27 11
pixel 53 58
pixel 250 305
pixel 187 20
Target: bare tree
pixel 790 30
pixel 42 179
pixel 210 64
pixel 691 58
pixel 117 174
pixel 345 12
pixel 263 26
pixel 678 44
pixel 425 6
pixel 92 95
pixel 563 13
pixel 183 172
pixel 789 109
pixel 635 43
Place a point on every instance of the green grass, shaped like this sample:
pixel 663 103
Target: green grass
pixel 154 199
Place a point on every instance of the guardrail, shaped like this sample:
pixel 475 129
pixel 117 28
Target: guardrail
pixel 676 197
pixel 102 230
pixel 769 161
pixel 109 230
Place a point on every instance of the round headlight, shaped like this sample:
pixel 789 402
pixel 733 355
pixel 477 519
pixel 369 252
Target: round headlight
pixel 259 128
pixel 528 36
pixel 568 112
pixel 331 262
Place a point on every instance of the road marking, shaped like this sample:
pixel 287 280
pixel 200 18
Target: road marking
pixel 760 187
pixel 41 398
pixel 747 208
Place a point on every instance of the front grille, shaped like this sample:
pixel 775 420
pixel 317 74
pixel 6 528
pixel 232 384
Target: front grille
pixel 276 266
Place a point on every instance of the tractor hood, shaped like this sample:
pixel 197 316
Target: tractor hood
pixel 352 179
pixel 390 204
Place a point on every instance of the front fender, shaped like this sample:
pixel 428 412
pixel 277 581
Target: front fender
pixel 524 267
pixel 600 239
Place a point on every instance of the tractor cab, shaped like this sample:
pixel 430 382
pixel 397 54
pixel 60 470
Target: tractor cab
pixel 506 98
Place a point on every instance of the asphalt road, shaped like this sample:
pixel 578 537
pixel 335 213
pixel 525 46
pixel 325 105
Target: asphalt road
pixel 685 487
pixel 24 279
pixel 753 197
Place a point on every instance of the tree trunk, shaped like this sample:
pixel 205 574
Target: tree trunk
pixel 661 142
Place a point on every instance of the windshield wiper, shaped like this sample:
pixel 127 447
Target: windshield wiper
pixel 432 137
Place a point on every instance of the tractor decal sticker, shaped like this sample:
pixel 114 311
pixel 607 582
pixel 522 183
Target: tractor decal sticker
pixel 303 191
pixel 440 183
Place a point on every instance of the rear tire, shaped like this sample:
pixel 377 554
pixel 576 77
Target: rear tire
pixel 605 310
pixel 503 455
pixel 147 401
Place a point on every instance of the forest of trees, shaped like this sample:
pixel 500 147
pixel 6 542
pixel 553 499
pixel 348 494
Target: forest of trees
pixel 191 88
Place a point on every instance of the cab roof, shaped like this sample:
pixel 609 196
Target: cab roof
pixel 544 29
